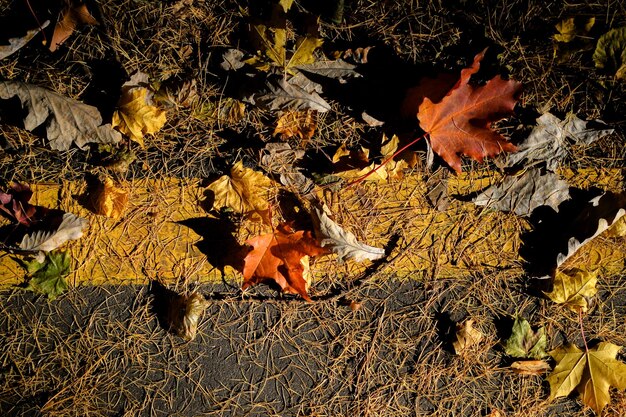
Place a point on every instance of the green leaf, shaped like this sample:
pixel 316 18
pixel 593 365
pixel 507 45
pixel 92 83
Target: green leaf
pixel 524 343
pixel 47 277
pixel 610 53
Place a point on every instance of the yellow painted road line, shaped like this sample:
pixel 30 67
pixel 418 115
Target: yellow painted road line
pixel 148 242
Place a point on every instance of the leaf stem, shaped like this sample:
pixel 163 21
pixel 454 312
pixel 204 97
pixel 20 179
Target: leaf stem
pixel 382 164
pixel 582 330
pixel 45 39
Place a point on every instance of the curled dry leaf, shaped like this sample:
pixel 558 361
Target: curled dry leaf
pixel 136 115
pixel 610 53
pixel 301 124
pixel 531 367
pixel 184 313
pixel 466 336
pixel 109 199
pixel 15 44
pixel 71 228
pixel 460 124
pixel 592 373
pixel 338 240
pixel 277 93
pixel 245 190
pixel 574 288
pixel 74 15
pixel 277 257
pixel 66 120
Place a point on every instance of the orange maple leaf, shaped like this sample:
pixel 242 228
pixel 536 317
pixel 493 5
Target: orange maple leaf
pixel 276 257
pixel 460 123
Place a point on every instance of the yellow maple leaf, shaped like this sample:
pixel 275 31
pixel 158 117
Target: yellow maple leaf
pixel 573 287
pixel 570 28
pixel 136 116
pixel 109 199
pixel 245 191
pixel 591 373
pixel 296 123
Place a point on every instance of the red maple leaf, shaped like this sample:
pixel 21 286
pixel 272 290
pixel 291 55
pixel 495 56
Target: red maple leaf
pixel 15 203
pixel 276 257
pixel 460 122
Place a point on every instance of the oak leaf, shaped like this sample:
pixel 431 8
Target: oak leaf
pixel 66 120
pixel 573 288
pixel 340 241
pixel 74 15
pixel 591 373
pixel 461 122
pixel 277 257
pixel 136 115
pixel 245 191
pixel 572 28
pixel 71 228
pixel 109 199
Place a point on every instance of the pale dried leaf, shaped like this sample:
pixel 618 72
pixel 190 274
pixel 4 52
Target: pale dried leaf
pixel 531 367
pixel 184 313
pixel 524 193
pixel 71 228
pixel 340 241
pixel 278 94
pixel 551 139
pixel 337 69
pixel 66 120
pixel 15 44
pixel 466 336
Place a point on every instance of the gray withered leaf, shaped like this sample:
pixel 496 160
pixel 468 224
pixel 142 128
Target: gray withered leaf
pixel 66 120
pixel 524 193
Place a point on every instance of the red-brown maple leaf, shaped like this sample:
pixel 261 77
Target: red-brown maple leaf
pixel 460 123
pixel 276 257
pixel 15 203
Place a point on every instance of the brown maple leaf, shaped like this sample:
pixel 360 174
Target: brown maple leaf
pixel 75 14
pixel 460 123
pixel 277 257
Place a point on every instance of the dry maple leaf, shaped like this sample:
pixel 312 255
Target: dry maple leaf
pixel 245 191
pixel 591 373
pixel 296 123
pixel 136 116
pixel 277 257
pixel 530 367
pixel 74 15
pixel 573 288
pixel 109 199
pixel 460 124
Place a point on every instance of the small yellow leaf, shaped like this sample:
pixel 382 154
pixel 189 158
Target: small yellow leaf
pixel 184 313
pixel 286 4
pixel 245 191
pixel 466 336
pixel 296 123
pixel 570 28
pixel 573 287
pixel 109 199
pixel 591 373
pixel 136 116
